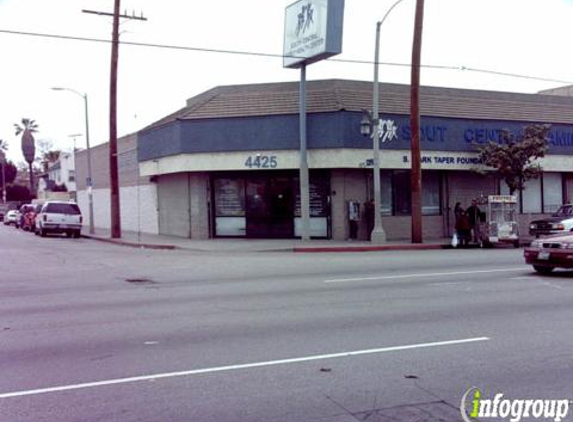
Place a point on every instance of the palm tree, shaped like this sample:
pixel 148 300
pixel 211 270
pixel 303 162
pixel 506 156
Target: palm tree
pixel 28 127
pixel 50 157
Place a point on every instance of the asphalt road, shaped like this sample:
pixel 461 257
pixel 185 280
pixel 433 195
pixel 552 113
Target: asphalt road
pixel 92 331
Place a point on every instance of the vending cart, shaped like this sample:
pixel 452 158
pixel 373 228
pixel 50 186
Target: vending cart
pixel 499 224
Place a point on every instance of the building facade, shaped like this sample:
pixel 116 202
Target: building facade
pixel 226 165
pixel 138 195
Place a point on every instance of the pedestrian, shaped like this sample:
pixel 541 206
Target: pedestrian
pixel 457 210
pixel 463 228
pixel 369 217
pixel 474 217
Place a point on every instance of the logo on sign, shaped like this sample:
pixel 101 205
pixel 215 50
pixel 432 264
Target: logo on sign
pixel 513 410
pixel 387 130
pixel 305 19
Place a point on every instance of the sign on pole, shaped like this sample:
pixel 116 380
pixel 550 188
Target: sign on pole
pixel 313 31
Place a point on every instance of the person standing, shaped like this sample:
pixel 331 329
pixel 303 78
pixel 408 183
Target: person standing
pixel 474 218
pixel 458 209
pixel 463 228
pixel 369 217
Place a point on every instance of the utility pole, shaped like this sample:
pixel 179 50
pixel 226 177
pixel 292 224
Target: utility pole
pixel 113 170
pixel 3 163
pixel 416 173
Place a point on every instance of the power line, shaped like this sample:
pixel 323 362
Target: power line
pixel 280 56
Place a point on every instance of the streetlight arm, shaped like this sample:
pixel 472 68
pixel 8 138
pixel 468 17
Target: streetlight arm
pixel 388 12
pixel 59 88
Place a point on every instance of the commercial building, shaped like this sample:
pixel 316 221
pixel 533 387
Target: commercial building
pixel 226 164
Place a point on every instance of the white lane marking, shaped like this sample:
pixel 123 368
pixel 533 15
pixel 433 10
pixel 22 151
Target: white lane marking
pixel 555 286
pixel 236 367
pixel 539 280
pixel 421 275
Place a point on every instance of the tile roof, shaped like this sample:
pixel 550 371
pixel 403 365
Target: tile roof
pixel 336 95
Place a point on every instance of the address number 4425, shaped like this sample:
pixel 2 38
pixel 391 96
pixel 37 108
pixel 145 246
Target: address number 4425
pixel 261 162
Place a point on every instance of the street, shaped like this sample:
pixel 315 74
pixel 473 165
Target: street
pixel 92 331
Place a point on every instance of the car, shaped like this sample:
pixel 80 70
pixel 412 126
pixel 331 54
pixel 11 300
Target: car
pixel 560 222
pixel 59 217
pixel 28 214
pixel 34 215
pixel 11 217
pixel 23 216
pixel 549 253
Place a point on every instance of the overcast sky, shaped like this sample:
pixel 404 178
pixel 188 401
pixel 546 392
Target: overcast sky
pixel 522 37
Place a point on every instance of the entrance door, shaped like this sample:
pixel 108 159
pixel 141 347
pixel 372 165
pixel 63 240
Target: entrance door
pixel 270 207
pixel 281 207
pixel 257 208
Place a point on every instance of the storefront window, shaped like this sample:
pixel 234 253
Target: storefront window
pixel 386 192
pixel 532 196
pixel 430 192
pixel 229 207
pixel 229 197
pixel 319 192
pixel 552 192
pixel 537 199
pixel 402 192
pixel 318 195
pixel 267 205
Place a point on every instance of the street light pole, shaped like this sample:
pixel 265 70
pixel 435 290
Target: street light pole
pixel 89 158
pixel 89 181
pixel 378 235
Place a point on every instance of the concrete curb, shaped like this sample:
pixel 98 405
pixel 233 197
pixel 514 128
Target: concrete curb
pixel 295 249
pixel 131 244
pixel 397 247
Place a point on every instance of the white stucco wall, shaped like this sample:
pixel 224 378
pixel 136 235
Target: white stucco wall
pixel 138 207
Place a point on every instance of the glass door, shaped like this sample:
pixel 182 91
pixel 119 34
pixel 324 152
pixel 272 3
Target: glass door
pixel 280 190
pixel 258 210
pixel 270 207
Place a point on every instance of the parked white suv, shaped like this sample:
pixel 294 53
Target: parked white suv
pixel 59 217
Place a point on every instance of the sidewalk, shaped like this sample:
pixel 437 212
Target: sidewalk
pixel 151 241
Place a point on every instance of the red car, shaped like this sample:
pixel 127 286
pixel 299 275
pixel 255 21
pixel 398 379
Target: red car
pixel 27 216
pixel 548 253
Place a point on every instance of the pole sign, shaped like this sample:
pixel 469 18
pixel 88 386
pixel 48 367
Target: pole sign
pixel 313 31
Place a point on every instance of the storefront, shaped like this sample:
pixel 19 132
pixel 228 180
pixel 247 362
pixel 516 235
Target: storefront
pixel 226 165
pixel 260 204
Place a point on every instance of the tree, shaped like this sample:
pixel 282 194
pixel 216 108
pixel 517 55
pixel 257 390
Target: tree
pixel 514 156
pixel 49 157
pixel 17 193
pixel 28 127
pixel 10 172
pixel 3 149
pixel 60 188
pixel 46 154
